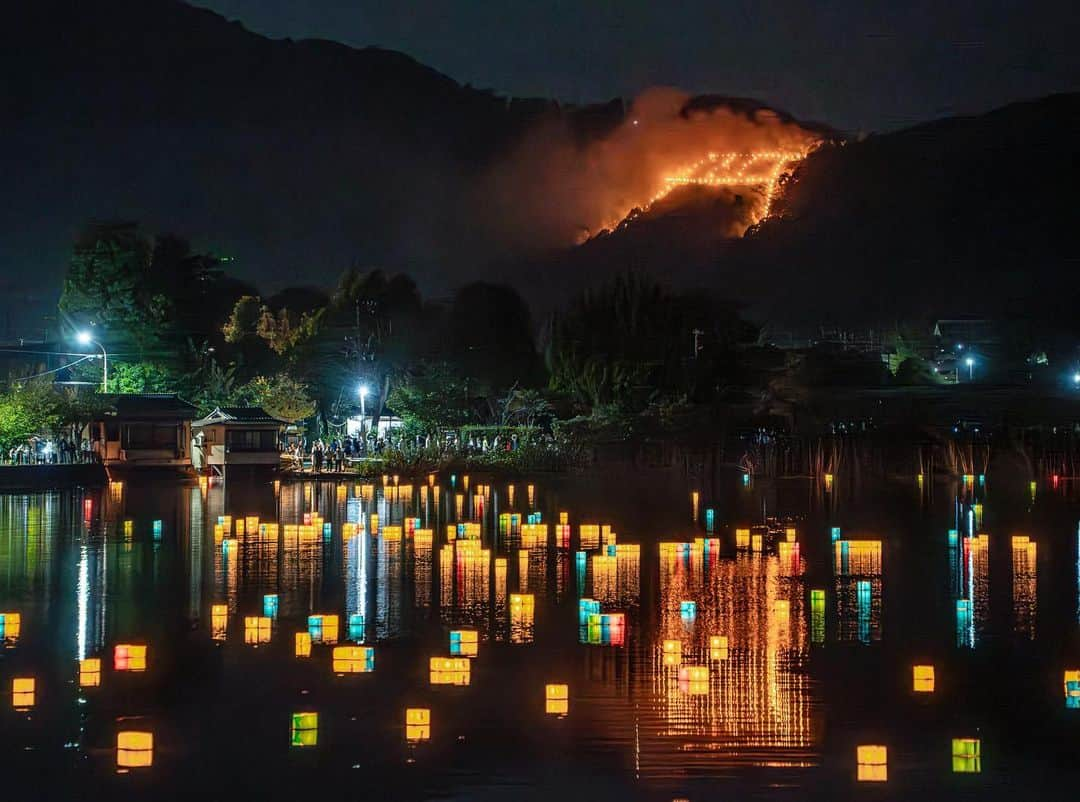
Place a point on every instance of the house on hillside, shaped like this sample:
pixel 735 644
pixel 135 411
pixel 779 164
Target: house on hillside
pixel 237 436
pixel 144 430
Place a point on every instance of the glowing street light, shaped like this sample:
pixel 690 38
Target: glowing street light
pixel 85 338
pixel 1076 379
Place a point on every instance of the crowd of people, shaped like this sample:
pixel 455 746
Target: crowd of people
pixel 335 455
pixel 39 451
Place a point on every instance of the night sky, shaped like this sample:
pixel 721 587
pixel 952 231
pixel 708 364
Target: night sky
pixel 856 64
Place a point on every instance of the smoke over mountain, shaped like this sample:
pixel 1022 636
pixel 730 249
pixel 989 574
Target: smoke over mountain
pixel 555 189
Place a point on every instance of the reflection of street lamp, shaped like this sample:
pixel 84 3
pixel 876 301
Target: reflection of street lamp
pixel 970 362
pixel 362 391
pixel 84 338
pixel 1076 379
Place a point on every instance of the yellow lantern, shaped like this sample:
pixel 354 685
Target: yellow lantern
pixel 450 671
pixel 718 647
pixel 557 700
pixel 90 672
pixel 303 644
pixel 219 618
pixel 23 692
pixel 873 763
pixel 672 652
pixel 923 679
pixel 257 629
pixel 129 657
pixel 353 659
pixel 304 729
pixel 134 750
pixel 417 724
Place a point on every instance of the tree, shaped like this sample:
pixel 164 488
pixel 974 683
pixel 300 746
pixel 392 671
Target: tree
pixel 109 285
pixel 282 396
pixel 141 377
pixel 432 396
pixel 30 408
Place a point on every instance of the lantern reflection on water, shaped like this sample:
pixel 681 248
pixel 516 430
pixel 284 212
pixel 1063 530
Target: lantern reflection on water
pixel 923 679
pixel 694 680
pixel 23 692
pixel 353 659
pixel 817 616
pixel 129 657
pixel 304 729
pixel 417 724
pixel 257 629
pixel 966 755
pixel 589 535
pixel 522 612
pixel 557 700
pixel 10 626
pixel 449 670
pixel 134 749
pixel 873 763
pixel 90 672
pixel 219 621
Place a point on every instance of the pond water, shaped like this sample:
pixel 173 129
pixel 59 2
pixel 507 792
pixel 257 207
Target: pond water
pixel 695 668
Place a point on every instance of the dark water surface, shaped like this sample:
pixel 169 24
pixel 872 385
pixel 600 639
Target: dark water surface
pixel 781 714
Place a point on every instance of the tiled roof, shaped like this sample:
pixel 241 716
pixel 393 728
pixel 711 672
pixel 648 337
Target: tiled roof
pixel 238 415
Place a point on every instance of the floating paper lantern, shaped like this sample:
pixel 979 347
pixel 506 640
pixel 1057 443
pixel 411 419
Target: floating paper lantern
pixel 694 674
pixel 746 480
pixel 835 533
pixel 156 528
pixel 756 543
pixel 873 763
pixel 134 749
pixel 464 642
pixel 557 700
pixel 353 659
pixel 449 670
pixel 417 724
pixel 1072 689
pixel 240 528
pixel 303 644
pixel 129 528
pixel 323 628
pixel 304 729
pixel 564 518
pixel 672 650
pixel 129 657
pixel 270 605
pixel 923 679
pixel 718 647
pixel 966 755
pixel 742 538
pixel 257 629
pixel 23 692
pixel 90 672
pixel 710 519
pixel 589 534
pixel 357 628
pixel 828 481
pixel 688 610
pixel 10 626
pixel 391 534
pixel 587 607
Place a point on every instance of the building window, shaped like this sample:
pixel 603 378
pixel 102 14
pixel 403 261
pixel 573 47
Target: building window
pixel 149 435
pixel 251 440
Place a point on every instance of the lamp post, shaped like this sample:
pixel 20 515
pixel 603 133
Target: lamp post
pixel 362 391
pixel 84 338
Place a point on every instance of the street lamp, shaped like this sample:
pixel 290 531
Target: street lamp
pixel 84 338
pixel 970 362
pixel 362 391
pixel 1076 379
